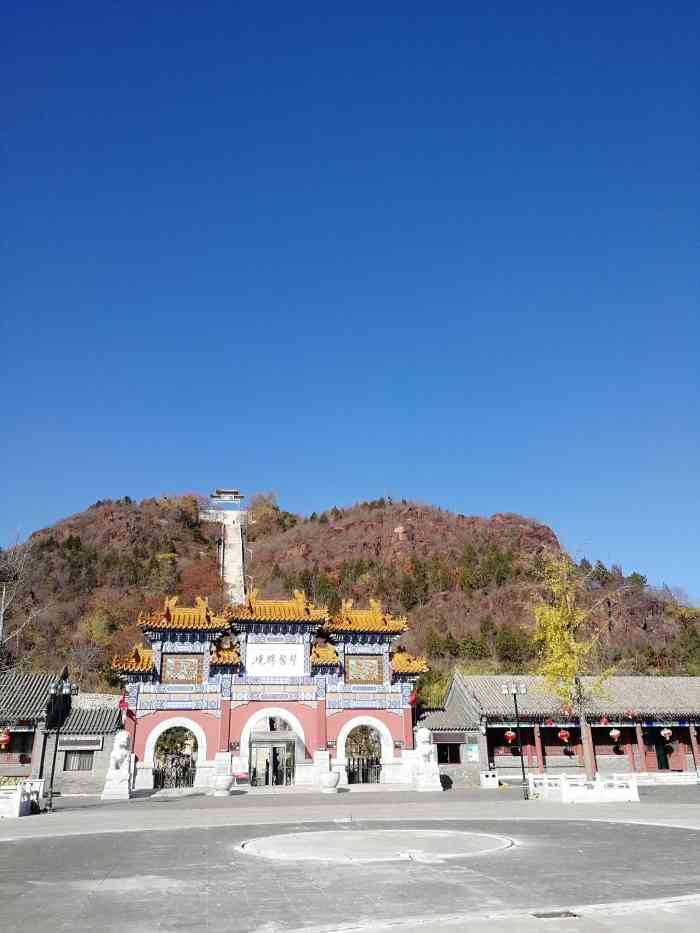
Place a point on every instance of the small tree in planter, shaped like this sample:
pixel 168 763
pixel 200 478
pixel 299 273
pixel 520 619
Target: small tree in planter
pixel 564 646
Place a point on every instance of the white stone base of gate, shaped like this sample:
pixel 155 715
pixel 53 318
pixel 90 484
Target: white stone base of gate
pixel 339 765
pixel 203 777
pixel 393 771
pixel 143 778
pixel 308 773
pixel 204 774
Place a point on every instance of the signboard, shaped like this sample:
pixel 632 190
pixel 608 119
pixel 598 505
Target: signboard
pixel 272 659
pixel 472 752
pixel 364 669
pixel 72 743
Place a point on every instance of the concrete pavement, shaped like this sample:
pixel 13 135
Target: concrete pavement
pixel 175 864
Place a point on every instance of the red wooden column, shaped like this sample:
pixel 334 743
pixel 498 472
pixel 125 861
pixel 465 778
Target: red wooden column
pixel 640 746
pixel 694 744
pixel 630 752
pixel 321 726
pixel 224 725
pixel 407 727
pixel 538 749
pixel 529 749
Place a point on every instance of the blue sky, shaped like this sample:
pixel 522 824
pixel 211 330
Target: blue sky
pixel 408 250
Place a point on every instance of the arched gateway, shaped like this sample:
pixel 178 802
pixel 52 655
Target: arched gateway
pixel 273 739
pixel 272 690
pixel 363 743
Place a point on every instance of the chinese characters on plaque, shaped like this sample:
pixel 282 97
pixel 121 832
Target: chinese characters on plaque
pixel 272 659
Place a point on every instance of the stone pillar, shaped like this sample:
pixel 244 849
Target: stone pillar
pixel 695 748
pixel 640 747
pixel 483 752
pixel 538 749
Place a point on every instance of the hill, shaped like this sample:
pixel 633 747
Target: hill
pixel 464 582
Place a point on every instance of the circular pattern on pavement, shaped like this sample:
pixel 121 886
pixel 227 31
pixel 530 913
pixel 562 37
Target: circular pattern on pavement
pixel 375 845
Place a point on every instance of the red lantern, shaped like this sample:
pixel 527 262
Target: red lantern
pixel 615 734
pixel 563 734
pixel 549 722
pixel 509 736
pixel 666 733
pixel 604 721
pixel 412 698
pixel 4 738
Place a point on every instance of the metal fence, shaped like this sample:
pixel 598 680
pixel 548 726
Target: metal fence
pixel 173 776
pixel 363 770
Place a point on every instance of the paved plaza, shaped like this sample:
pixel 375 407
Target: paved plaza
pixel 255 863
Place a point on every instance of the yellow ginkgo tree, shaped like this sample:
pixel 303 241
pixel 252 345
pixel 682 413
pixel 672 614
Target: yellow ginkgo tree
pixel 566 647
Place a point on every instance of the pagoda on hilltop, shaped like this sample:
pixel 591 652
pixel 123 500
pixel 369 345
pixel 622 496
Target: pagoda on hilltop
pixel 274 691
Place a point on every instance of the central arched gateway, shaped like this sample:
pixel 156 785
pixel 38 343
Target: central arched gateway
pixel 273 741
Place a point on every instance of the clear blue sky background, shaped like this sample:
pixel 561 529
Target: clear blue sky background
pixel 405 250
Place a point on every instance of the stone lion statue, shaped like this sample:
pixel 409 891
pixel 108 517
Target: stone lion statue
pixel 428 773
pixel 118 772
pixel 118 777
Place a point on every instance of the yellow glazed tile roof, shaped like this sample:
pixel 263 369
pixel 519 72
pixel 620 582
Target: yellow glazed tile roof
pixel 324 656
pixel 404 663
pixel 140 661
pixel 373 619
pixel 297 609
pixel 199 617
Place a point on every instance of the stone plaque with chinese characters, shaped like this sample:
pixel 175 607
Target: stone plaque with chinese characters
pixel 274 659
pixel 364 669
pixel 181 669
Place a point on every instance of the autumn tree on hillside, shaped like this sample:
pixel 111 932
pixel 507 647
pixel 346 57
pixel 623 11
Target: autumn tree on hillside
pixel 565 644
pixel 267 517
pixel 18 607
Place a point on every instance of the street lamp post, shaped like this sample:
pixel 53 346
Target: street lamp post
pixel 57 710
pixel 514 689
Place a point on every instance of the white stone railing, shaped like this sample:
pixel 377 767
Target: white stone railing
pixel 20 799
pixel 567 788
pixel 649 778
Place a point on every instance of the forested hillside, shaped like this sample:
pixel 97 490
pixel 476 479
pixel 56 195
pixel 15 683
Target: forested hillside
pixel 464 582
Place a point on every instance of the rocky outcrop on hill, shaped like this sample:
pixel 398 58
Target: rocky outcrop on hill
pixel 465 582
